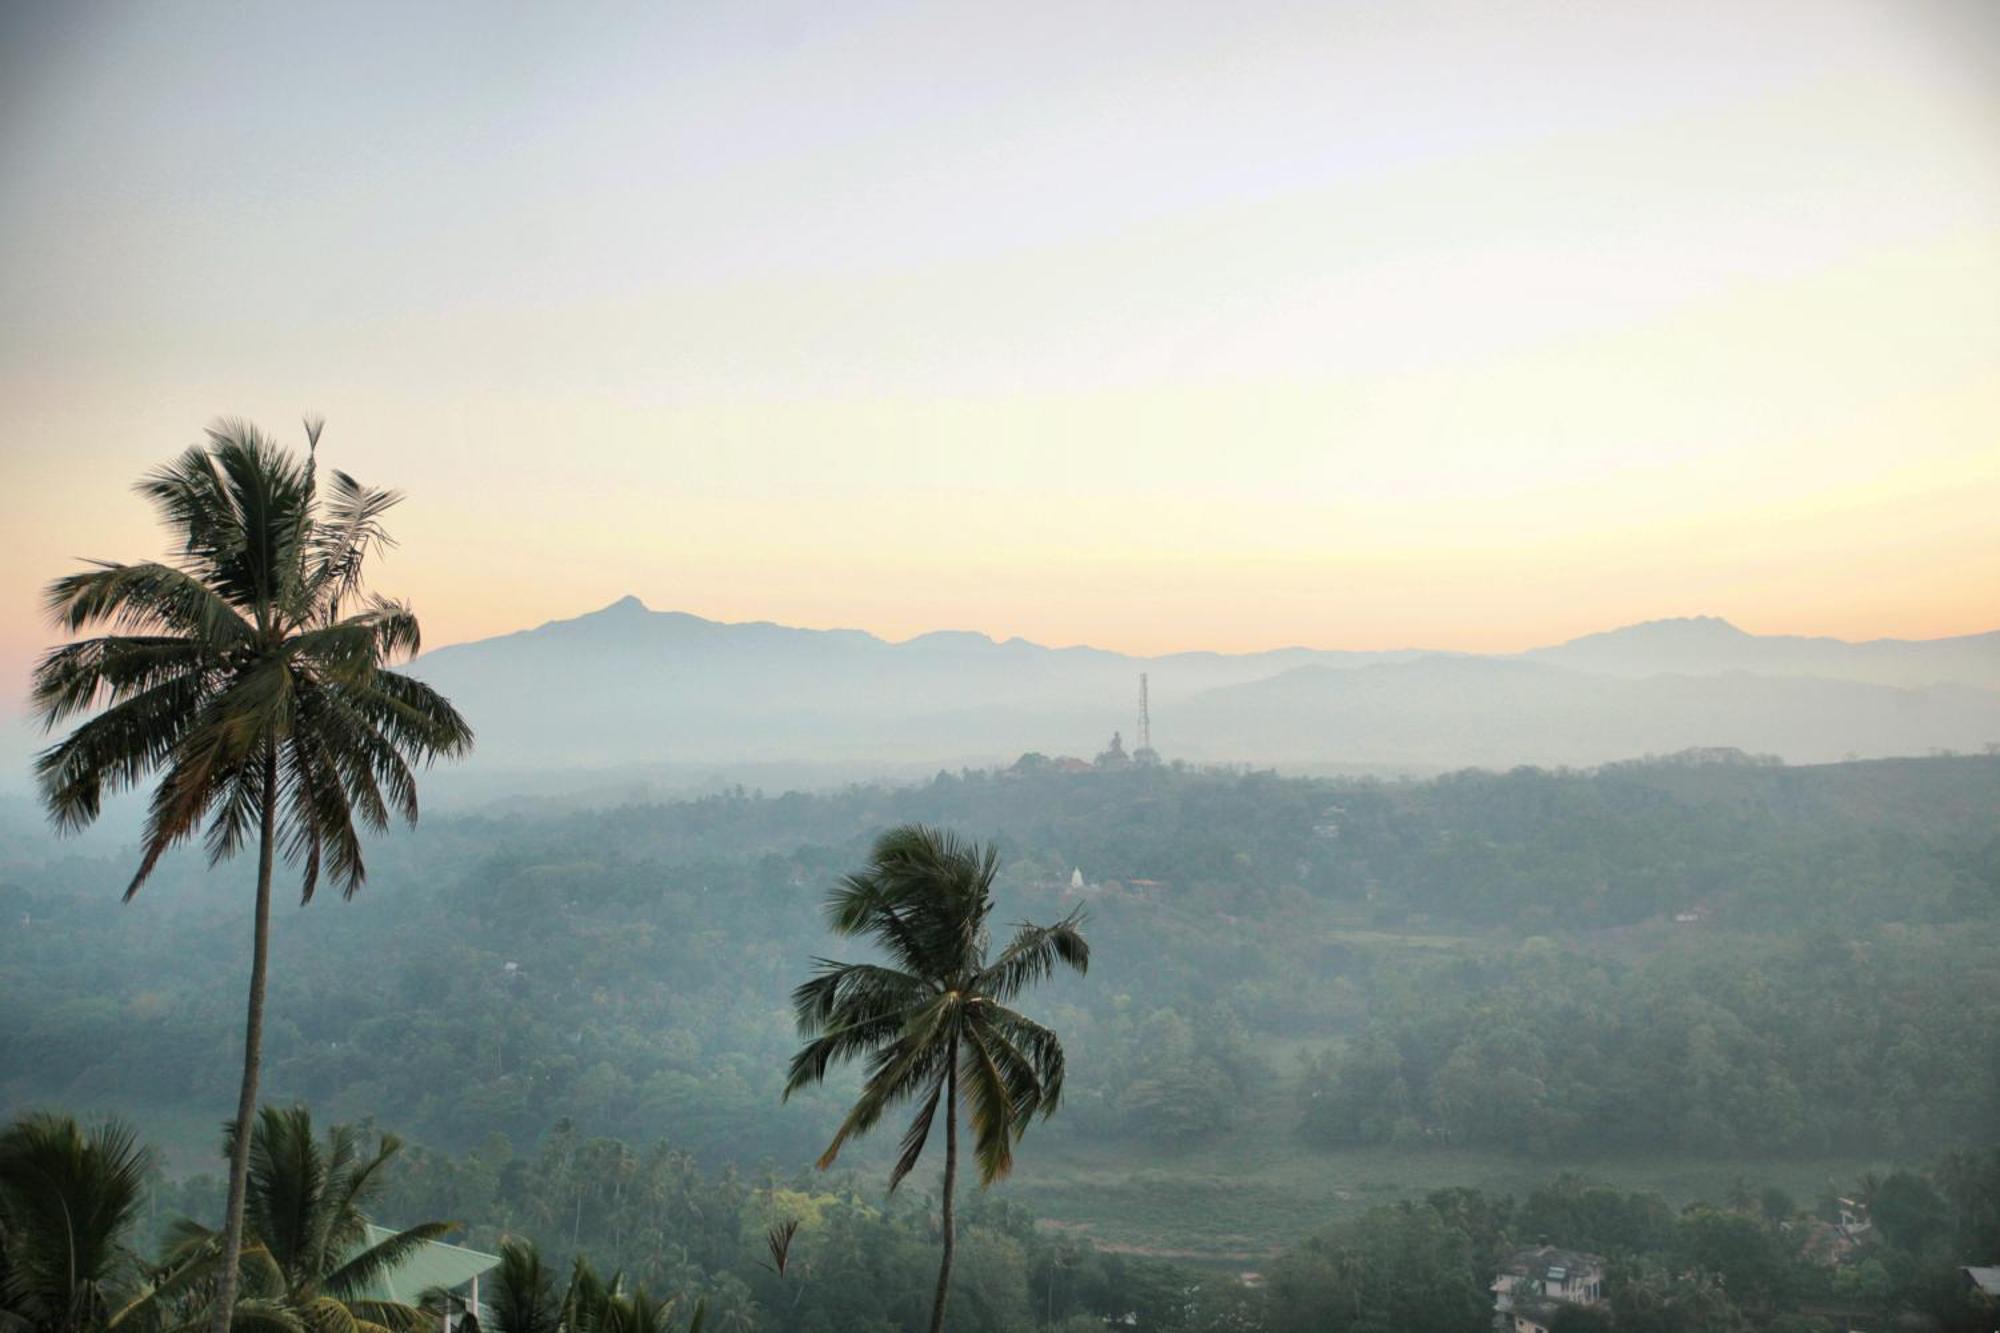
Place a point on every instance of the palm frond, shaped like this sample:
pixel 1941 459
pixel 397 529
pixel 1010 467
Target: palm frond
pixel 1039 1047
pixel 76 678
pixel 522 1296
pixel 117 749
pixel 231 731
pixel 412 716
pixel 1018 1072
pixel 382 1257
pixel 324 1314
pixel 1034 954
pixel 848 992
pixel 286 1189
pixel 349 532
pixel 899 1070
pixel 990 1104
pixel 395 1316
pixel 911 1149
pixel 148 598
pixel 67 1199
pixel 262 1314
pixel 778 1241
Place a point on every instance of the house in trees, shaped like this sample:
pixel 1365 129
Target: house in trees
pixel 435 1267
pixel 1533 1284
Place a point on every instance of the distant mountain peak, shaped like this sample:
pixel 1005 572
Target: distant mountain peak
pixel 1678 626
pixel 950 638
pixel 625 606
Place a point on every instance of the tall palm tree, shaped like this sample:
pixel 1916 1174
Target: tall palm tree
pixel 936 1017
pixel 251 673
pixel 67 1199
pixel 309 1262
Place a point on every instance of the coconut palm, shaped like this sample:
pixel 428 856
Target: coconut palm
pixel 308 1261
pixel 523 1294
pixel 67 1199
pixel 250 672
pixel 934 1022
pixel 522 1299
pixel 595 1305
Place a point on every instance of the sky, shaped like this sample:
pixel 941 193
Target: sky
pixel 1153 326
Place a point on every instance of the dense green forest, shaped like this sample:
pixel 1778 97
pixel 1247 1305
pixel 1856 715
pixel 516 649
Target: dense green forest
pixel 579 1018
pixel 1482 960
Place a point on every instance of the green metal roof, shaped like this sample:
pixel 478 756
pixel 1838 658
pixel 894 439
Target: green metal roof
pixel 436 1264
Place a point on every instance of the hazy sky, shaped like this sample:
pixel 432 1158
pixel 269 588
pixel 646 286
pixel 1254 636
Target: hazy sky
pixel 1149 325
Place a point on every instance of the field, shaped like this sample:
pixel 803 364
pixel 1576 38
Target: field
pixel 1239 1199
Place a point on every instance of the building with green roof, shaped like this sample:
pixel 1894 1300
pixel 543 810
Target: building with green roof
pixel 433 1266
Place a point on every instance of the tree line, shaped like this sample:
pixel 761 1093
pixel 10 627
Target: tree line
pixel 599 1236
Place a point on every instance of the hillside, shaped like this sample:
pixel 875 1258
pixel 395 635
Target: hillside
pixel 1442 712
pixel 626 686
pixel 1707 646
pixel 626 969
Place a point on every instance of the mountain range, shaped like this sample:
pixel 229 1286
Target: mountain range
pixel 627 686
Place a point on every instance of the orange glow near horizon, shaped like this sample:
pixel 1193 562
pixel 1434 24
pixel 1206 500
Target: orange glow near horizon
pixel 1326 327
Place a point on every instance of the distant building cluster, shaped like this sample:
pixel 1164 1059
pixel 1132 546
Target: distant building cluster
pixel 1835 1242
pixel 1534 1284
pixel 1112 758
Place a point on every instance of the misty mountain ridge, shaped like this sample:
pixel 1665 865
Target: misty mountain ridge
pixel 1710 645
pixel 628 685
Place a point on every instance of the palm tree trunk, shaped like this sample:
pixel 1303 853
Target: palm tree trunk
pixel 950 1184
pixel 253 1060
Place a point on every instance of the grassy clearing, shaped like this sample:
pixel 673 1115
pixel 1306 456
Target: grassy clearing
pixel 1230 1205
pixel 1256 1189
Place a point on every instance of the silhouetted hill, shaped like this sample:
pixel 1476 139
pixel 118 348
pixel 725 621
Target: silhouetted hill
pixel 1446 712
pixel 630 686
pixel 1707 646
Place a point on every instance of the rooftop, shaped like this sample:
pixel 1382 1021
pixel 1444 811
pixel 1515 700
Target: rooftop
pixel 436 1264
pixel 1551 1263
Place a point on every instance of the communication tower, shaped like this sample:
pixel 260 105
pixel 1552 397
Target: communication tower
pixel 1145 754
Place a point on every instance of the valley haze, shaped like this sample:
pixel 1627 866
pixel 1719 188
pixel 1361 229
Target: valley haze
pixel 625 685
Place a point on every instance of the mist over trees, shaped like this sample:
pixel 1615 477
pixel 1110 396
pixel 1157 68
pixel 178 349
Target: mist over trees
pixel 628 686
pixel 1482 959
pixel 1366 1037
pixel 1372 1036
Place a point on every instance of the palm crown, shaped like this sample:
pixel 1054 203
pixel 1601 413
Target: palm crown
pixel 256 663
pixel 522 1298
pixel 68 1197
pixel 937 1015
pixel 313 1264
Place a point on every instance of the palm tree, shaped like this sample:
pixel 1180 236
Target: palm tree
pixel 67 1200
pixel 937 1016
pixel 594 1305
pixel 251 673
pixel 310 1263
pixel 524 1300
pixel 524 1295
